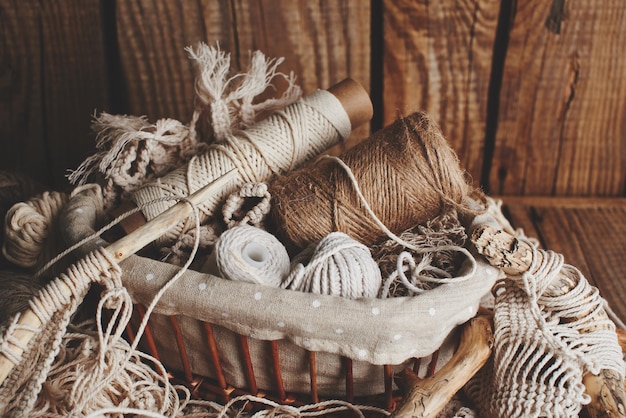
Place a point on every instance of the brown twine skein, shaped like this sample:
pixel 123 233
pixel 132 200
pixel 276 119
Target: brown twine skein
pixel 407 173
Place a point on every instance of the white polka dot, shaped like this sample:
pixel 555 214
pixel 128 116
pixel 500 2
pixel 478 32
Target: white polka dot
pixel 375 311
pixel 490 272
pixel 413 351
pixel 316 303
pixel 432 311
pixel 258 296
pixel 471 309
pixel 79 210
pixel 149 276
pixel 339 331
pixel 202 286
pixel 171 304
pixel 306 343
pixel 252 335
pixel 362 352
pixel 397 337
pixel 225 314
pixel 281 324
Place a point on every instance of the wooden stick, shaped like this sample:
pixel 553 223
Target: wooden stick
pixel 514 257
pixel 425 398
pixel 120 250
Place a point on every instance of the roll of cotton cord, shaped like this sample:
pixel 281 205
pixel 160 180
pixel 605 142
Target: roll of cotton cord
pixel 274 146
pixel 339 266
pixel 249 254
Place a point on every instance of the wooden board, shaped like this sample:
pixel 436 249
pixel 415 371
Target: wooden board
pixel 52 79
pixel 438 58
pixel 590 237
pixel 322 43
pixel 560 128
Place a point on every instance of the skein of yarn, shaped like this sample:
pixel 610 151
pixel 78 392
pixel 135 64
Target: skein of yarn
pixel 339 266
pixel 249 254
pixel 29 229
pixel 283 141
pixel 407 173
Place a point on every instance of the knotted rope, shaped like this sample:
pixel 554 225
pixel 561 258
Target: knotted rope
pixel 90 366
pixel 30 230
pixel 550 330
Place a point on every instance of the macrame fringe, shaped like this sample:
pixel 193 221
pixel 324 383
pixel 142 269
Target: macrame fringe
pixel 132 151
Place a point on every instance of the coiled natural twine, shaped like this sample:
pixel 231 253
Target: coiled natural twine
pixel 249 254
pixel 29 230
pixel 339 266
pixel 407 173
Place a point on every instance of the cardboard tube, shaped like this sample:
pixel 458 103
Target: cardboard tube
pixel 352 96
pixel 355 100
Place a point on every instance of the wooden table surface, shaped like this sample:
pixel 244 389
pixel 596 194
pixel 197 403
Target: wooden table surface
pixel 589 232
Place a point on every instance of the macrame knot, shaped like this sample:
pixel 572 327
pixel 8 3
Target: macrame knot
pixel 220 120
pixel 235 209
pixel 338 265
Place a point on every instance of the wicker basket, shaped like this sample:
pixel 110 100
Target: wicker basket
pixel 214 350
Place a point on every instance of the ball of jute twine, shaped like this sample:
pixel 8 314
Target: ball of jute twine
pixel 407 173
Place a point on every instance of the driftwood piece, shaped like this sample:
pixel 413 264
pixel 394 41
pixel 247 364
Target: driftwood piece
pixel 514 257
pixel 29 323
pixel 427 397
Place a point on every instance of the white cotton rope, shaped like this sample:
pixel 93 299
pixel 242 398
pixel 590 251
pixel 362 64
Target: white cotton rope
pixel 71 373
pixel 275 145
pixel 249 254
pixel 547 337
pixel 338 266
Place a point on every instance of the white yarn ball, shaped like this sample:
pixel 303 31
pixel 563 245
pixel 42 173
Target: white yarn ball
pixel 338 265
pixel 249 254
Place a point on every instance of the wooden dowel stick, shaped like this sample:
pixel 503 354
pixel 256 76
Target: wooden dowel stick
pixel 514 257
pixel 120 250
pixel 426 398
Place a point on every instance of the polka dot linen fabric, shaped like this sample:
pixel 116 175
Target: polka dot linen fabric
pixel 369 331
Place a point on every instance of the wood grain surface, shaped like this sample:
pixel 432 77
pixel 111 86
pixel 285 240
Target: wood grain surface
pixel 322 43
pixel 560 127
pixel 529 94
pixel 52 80
pixel 438 58
pixel 590 237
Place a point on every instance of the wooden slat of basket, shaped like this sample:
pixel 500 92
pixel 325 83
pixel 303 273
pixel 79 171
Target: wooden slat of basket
pixel 149 336
pixel 388 378
pixel 247 362
pixel 215 359
pixel 278 376
pixel 349 375
pixel 182 350
pixel 313 375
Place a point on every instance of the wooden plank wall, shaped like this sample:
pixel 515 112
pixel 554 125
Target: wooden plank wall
pixel 530 94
